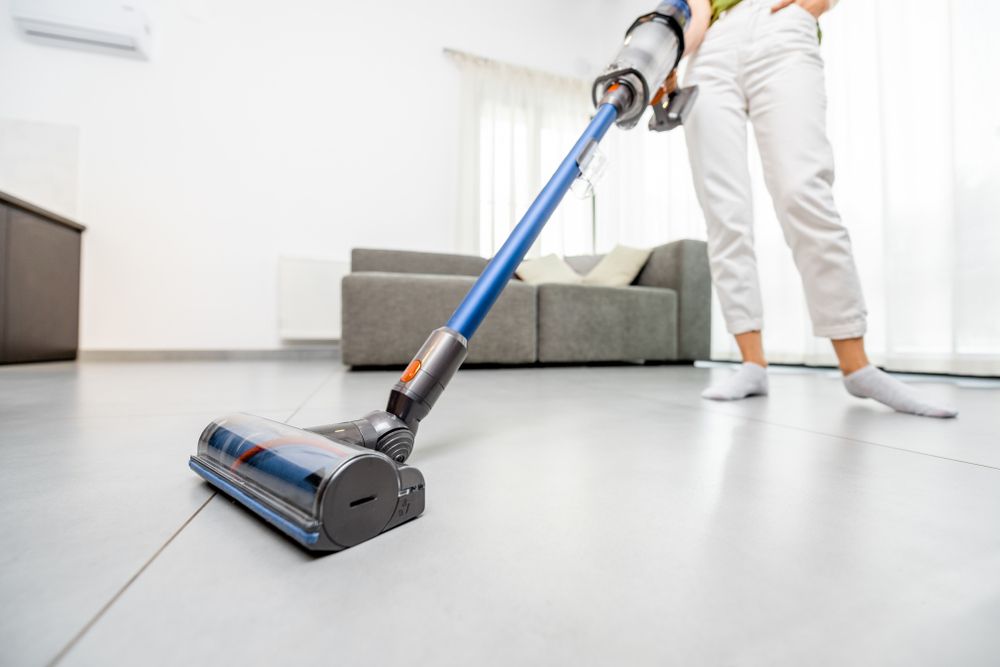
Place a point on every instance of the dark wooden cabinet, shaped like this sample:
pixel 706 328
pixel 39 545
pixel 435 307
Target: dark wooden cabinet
pixel 39 283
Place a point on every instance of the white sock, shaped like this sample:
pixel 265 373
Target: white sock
pixel 749 380
pixel 870 382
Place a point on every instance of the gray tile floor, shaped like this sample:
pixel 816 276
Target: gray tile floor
pixel 594 516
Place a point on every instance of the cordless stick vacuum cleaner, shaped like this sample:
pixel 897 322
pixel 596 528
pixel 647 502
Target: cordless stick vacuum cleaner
pixel 335 486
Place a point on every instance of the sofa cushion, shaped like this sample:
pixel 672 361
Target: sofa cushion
pixel 618 268
pixel 548 269
pixel 587 323
pixel 387 317
pixel 584 264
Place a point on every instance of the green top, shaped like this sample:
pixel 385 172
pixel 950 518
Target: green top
pixel 719 6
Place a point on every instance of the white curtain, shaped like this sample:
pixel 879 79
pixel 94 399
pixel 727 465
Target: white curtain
pixel 914 118
pixel 518 124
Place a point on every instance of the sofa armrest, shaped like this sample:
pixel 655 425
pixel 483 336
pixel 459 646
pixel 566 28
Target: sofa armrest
pixel 406 261
pixel 683 267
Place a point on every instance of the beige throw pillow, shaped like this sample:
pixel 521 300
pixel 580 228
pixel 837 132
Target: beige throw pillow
pixel 618 268
pixel 548 269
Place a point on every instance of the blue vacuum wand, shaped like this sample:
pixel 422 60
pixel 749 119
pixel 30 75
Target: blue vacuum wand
pixel 498 272
pixel 331 487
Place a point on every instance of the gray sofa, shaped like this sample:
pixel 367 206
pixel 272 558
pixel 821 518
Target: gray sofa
pixel 393 299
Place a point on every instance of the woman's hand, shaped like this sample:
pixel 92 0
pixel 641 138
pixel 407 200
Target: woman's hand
pixel 670 85
pixel 815 7
pixel 701 14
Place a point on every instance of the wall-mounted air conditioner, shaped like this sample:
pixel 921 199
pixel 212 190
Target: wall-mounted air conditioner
pixel 106 26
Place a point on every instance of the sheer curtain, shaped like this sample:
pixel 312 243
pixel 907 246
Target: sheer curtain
pixel 914 118
pixel 517 125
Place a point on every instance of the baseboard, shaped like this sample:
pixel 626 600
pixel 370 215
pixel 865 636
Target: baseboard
pixel 309 353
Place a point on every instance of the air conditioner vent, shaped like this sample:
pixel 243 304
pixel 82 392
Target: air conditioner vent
pixel 104 26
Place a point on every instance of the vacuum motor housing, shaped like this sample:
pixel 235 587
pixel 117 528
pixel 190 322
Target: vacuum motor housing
pixel 653 46
pixel 327 494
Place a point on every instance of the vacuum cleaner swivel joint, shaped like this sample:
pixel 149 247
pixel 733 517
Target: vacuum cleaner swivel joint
pixel 426 376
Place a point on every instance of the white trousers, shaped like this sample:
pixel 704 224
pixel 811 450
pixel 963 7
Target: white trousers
pixel 767 68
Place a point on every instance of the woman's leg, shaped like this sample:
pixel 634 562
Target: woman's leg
pixel 751 346
pixel 716 134
pixel 851 354
pixel 787 101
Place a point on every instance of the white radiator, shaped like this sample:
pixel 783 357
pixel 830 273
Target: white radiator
pixel 309 298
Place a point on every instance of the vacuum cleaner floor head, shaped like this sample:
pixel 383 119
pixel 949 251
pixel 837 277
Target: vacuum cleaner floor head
pixel 326 493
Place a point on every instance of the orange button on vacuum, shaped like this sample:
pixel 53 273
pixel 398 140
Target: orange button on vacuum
pixel 411 371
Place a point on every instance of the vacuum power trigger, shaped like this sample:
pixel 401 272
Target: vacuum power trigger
pixel 674 110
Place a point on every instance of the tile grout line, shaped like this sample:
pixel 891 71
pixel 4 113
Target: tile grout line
pixel 312 395
pixel 104 609
pixel 701 408
pixel 874 444
pixel 121 591
pixel 832 435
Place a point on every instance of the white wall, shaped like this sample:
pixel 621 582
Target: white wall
pixel 261 129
